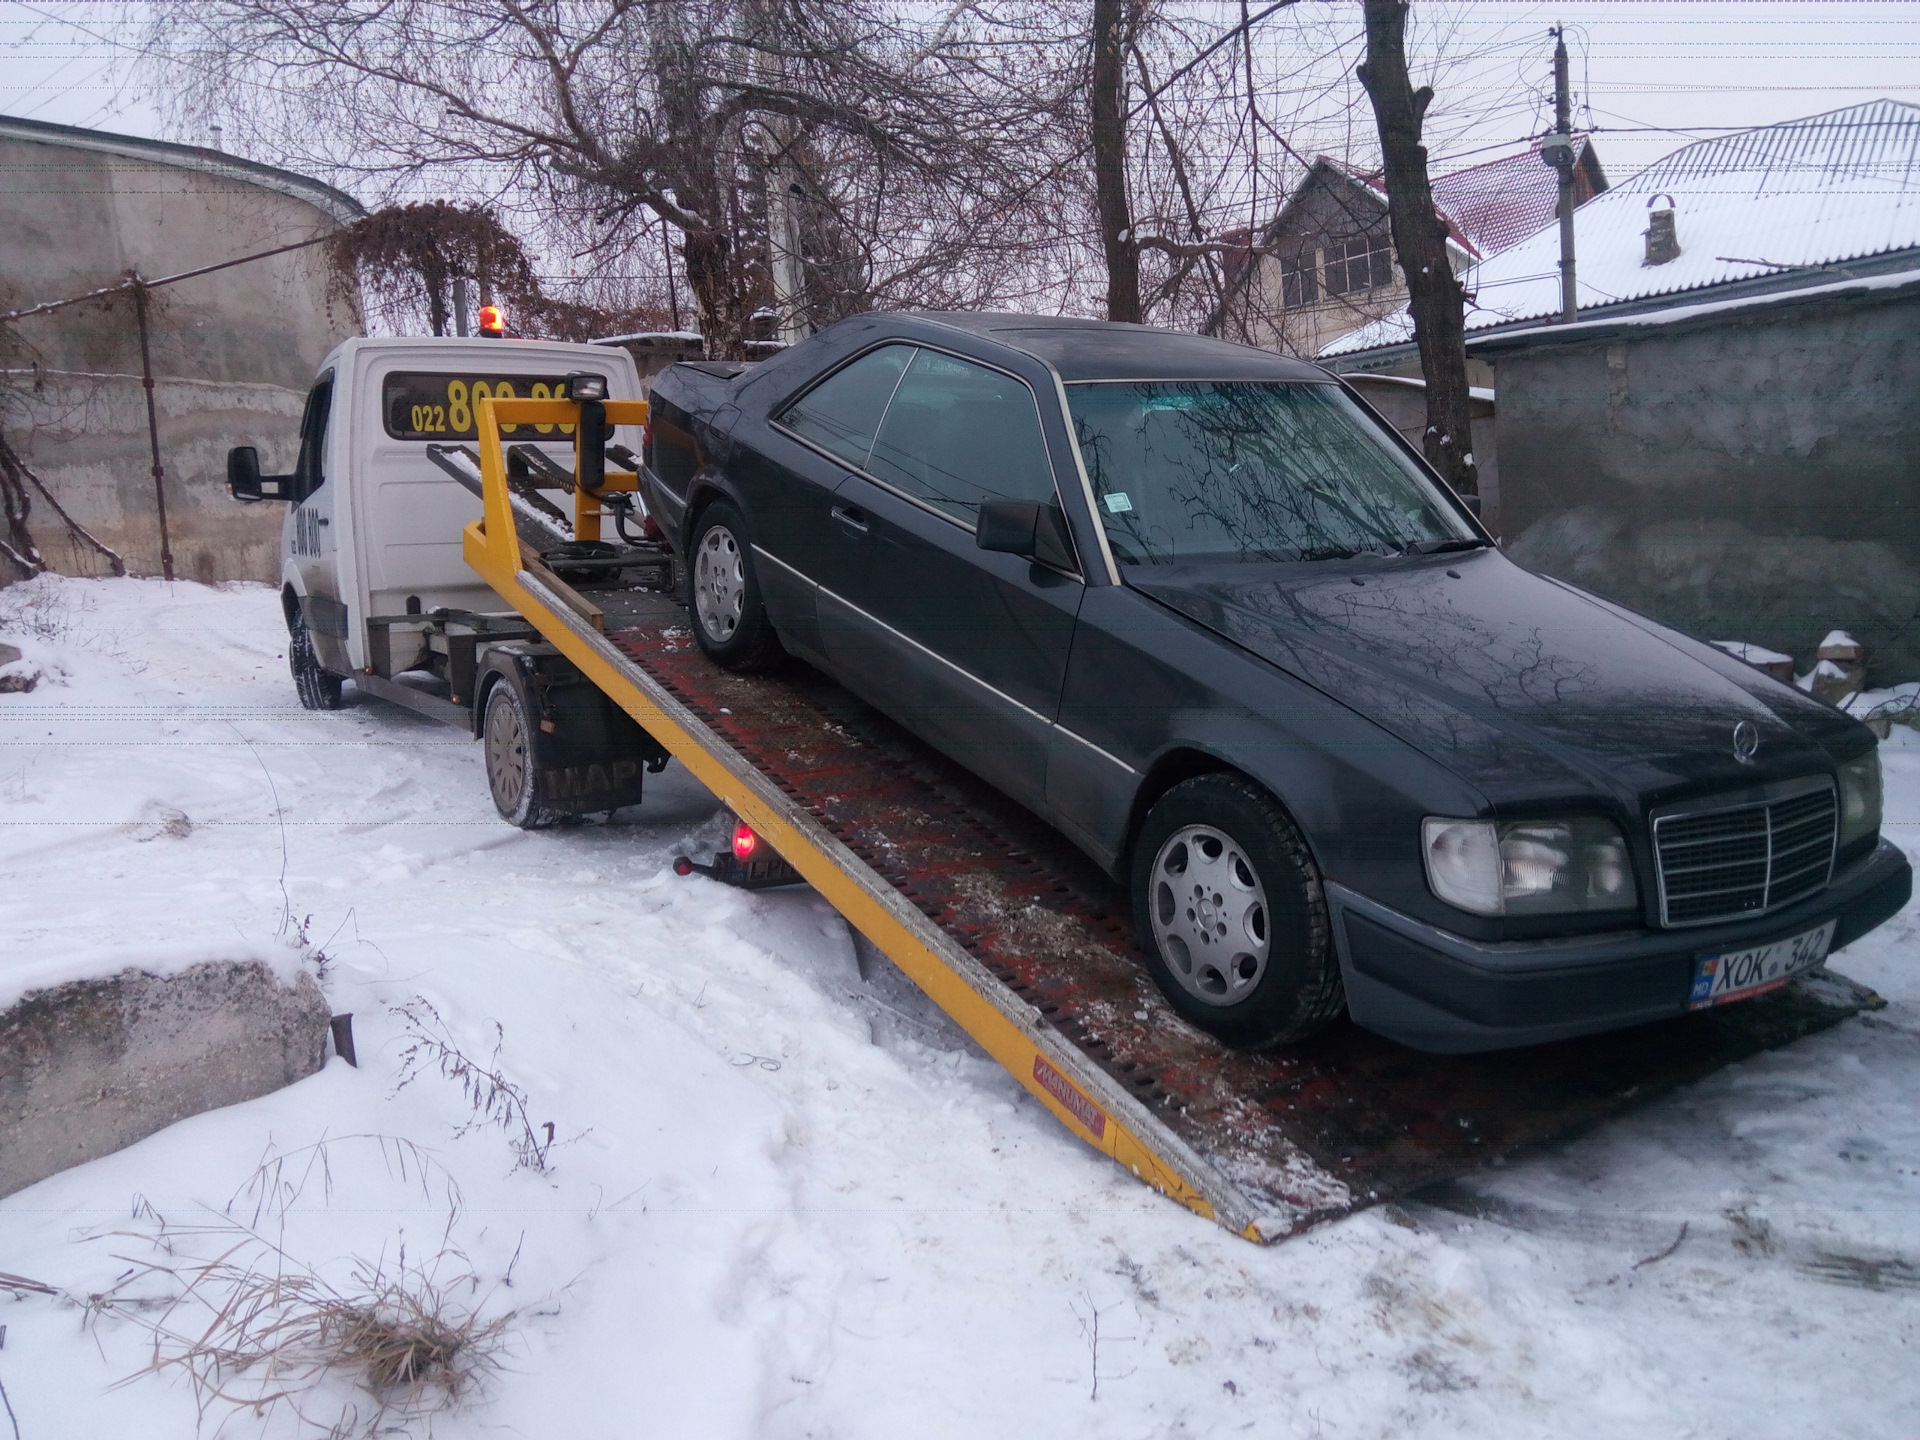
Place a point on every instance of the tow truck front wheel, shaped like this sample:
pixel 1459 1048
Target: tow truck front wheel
pixel 318 689
pixel 507 737
pixel 1229 909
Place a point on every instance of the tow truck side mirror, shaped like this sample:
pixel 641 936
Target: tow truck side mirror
pixel 1025 528
pixel 246 483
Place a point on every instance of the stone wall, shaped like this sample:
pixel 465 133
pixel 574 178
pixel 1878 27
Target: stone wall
pixel 1749 475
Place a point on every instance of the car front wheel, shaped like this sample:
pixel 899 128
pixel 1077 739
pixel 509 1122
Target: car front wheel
pixel 1231 915
pixel 723 599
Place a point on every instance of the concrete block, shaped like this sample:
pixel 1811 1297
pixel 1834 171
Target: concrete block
pixel 90 1067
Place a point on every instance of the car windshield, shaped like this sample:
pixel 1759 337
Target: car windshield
pixel 1219 471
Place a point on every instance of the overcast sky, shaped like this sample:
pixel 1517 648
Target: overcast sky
pixel 1648 76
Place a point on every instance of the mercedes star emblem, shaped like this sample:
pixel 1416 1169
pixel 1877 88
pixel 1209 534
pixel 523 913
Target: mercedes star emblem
pixel 1746 741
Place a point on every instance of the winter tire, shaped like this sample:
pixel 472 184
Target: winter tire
pixel 506 737
pixel 1231 915
pixel 723 593
pixel 318 689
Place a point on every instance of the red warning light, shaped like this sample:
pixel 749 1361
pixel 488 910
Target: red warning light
pixel 492 322
pixel 745 842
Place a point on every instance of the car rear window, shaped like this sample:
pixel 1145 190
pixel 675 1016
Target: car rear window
pixel 842 413
pixel 1191 471
pixel 959 433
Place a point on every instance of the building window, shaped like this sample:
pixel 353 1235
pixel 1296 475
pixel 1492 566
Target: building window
pixel 1299 285
pixel 1364 263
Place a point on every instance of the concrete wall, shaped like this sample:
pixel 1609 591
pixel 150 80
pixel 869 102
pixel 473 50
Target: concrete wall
pixel 1753 475
pixel 233 352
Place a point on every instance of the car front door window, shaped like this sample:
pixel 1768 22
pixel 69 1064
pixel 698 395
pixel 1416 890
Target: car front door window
pixel 967 647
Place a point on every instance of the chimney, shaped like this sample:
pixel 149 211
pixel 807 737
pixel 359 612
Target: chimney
pixel 1663 241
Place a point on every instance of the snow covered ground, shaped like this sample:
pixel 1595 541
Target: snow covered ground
pixel 785 1201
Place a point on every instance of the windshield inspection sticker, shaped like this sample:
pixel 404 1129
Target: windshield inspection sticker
pixel 1118 504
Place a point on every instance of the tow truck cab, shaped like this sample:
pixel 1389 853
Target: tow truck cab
pixel 373 526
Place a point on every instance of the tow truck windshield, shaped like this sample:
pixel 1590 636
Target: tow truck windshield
pixel 1192 472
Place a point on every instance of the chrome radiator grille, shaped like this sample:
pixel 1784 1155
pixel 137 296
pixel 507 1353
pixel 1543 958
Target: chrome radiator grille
pixel 1745 859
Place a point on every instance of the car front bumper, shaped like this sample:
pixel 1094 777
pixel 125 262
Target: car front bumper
pixel 1440 992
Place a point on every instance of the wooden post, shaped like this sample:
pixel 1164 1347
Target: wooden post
pixel 153 425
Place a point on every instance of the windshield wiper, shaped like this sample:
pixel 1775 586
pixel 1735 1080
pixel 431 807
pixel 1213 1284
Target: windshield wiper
pixel 1327 552
pixel 1441 547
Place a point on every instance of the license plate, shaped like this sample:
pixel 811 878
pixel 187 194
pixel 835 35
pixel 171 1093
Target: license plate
pixel 1742 974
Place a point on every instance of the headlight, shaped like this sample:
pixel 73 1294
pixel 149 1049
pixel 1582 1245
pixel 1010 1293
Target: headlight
pixel 1529 867
pixel 1859 798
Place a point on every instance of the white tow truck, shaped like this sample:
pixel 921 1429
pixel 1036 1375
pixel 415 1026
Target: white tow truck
pixel 374 585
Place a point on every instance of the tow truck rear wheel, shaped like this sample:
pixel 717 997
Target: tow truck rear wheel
pixel 723 593
pixel 1229 909
pixel 506 736
pixel 318 689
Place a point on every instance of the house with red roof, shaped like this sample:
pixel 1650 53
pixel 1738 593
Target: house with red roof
pixel 1325 265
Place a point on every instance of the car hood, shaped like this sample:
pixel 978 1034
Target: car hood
pixel 1522 685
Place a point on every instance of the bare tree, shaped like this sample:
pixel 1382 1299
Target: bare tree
pixel 886 133
pixel 1436 298
pixel 1116 25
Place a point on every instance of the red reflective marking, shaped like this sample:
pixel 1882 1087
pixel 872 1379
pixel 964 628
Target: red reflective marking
pixel 1063 1090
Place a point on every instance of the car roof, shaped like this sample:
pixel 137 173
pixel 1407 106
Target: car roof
pixel 1103 350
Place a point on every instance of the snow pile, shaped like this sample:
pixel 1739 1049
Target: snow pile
pixel 784 1200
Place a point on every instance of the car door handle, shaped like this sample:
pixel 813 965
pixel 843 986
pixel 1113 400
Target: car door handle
pixel 852 519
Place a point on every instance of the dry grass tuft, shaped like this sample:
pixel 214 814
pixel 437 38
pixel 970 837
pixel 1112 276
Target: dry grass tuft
pixel 495 1099
pixel 255 1329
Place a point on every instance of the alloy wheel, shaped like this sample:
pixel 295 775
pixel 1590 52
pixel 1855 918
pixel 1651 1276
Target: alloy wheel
pixel 1209 915
pixel 720 583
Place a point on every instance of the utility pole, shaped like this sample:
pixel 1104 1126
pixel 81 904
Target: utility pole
pixel 1557 150
pixel 784 259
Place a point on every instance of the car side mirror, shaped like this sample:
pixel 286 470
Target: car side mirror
pixel 1026 528
pixel 246 483
pixel 1472 502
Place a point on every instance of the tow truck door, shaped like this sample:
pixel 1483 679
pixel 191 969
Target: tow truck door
pixel 311 544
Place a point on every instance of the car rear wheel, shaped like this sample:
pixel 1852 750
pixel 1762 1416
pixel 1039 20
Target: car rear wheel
pixel 318 689
pixel 1231 915
pixel 507 740
pixel 723 593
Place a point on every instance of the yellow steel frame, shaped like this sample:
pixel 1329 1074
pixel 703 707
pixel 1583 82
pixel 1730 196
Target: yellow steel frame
pixel 1086 1101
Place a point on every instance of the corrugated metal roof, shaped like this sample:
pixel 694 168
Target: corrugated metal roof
pixel 1830 188
pixel 1500 202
